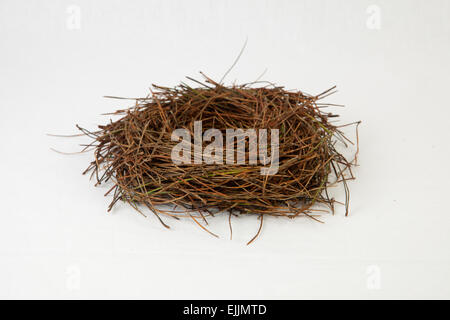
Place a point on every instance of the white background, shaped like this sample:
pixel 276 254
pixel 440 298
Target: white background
pixel 389 60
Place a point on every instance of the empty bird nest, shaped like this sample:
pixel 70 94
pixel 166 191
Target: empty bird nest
pixel 208 149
